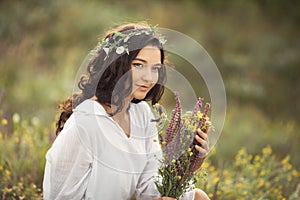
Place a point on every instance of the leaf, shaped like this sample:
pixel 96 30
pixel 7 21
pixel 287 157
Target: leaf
pixel 126 38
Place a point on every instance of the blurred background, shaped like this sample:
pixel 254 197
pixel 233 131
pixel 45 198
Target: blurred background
pixel 255 44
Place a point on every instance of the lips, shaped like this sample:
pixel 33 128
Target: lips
pixel 143 87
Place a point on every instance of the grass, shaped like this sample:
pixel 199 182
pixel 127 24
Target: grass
pixel 263 175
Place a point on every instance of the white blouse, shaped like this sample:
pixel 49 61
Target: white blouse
pixel 92 158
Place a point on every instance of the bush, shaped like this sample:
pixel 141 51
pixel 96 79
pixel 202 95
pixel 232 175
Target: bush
pixel 23 145
pixel 261 176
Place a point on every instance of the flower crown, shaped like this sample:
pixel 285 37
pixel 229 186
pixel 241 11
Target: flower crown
pixel 118 43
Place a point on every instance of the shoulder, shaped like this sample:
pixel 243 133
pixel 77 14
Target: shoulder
pixel 75 131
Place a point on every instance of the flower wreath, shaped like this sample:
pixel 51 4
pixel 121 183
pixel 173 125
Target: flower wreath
pixel 118 43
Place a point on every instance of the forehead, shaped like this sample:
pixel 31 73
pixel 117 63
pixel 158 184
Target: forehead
pixel 150 54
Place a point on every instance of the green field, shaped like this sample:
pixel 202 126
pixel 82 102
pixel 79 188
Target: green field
pixel 255 45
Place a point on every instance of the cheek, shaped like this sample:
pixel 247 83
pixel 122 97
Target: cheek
pixel 134 75
pixel 157 77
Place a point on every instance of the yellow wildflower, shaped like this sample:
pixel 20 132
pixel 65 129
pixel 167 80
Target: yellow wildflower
pixel 267 150
pixel 189 149
pixel 215 180
pixel 173 161
pixel 213 151
pixel 227 181
pixel 164 143
pixel 256 158
pixel 263 172
pixel 285 160
pixel 239 185
pixel 4 121
pixel 289 178
pixel 257 165
pixel 199 114
pixel 7 172
pixel 287 166
pixel 179 177
pixel 295 173
pixel 211 168
pixel 205 165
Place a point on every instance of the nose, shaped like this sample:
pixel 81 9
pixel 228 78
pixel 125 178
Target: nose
pixel 147 74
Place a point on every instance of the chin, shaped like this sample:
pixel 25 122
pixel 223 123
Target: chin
pixel 139 96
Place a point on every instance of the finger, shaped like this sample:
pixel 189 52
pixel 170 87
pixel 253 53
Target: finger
pixel 207 125
pixel 202 134
pixel 202 152
pixel 202 142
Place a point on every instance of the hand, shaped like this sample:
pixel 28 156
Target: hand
pixel 164 198
pixel 202 139
pixel 202 147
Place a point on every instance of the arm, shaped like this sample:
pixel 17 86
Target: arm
pixel 146 188
pixel 68 166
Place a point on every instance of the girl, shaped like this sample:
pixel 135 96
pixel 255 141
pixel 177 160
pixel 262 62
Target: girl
pixel 104 148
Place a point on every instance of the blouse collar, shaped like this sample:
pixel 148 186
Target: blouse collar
pixel 91 107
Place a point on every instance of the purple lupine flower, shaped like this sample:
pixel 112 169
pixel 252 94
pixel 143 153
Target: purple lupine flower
pixel 207 107
pixel 177 159
pixel 177 140
pixel 174 121
pixel 197 107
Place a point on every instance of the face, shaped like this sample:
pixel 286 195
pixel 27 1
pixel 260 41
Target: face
pixel 145 68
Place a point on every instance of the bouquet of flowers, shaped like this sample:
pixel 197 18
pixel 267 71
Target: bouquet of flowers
pixel 176 174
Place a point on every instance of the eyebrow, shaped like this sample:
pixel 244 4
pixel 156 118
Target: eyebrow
pixel 144 61
pixel 140 59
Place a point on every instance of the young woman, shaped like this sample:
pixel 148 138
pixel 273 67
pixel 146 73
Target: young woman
pixel 104 148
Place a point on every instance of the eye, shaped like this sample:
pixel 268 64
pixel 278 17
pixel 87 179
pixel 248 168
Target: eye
pixel 138 65
pixel 156 67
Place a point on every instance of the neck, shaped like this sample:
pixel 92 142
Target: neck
pixel 122 117
pixel 112 108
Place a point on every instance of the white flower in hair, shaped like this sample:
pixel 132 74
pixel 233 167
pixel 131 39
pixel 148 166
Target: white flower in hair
pixel 120 50
pixel 106 50
pixel 118 42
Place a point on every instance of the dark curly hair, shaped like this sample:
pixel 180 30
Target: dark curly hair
pixel 104 71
